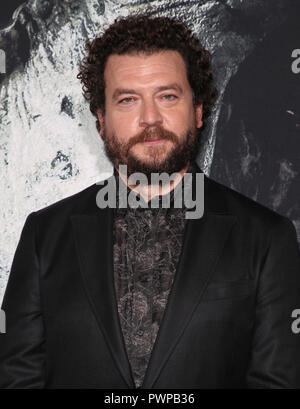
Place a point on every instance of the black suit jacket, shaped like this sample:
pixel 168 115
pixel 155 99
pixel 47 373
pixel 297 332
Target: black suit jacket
pixel 228 318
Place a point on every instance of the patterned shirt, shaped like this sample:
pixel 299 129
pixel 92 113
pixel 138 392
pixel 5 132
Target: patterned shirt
pixel 147 245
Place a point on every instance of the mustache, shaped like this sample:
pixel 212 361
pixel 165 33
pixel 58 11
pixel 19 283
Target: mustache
pixel 150 134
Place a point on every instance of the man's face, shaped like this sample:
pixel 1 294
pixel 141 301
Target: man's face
pixel 150 123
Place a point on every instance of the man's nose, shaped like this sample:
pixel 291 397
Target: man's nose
pixel 150 114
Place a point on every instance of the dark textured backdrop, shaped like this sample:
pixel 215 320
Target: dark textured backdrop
pixel 49 147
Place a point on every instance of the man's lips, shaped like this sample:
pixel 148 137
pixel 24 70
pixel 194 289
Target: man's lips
pixel 154 141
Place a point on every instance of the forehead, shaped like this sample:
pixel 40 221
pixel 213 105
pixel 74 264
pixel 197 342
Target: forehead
pixel 145 69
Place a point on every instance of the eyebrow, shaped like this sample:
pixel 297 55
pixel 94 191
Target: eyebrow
pixel 121 91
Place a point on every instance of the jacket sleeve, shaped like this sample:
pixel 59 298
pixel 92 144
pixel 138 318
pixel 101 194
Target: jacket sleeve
pixel 22 347
pixel 275 355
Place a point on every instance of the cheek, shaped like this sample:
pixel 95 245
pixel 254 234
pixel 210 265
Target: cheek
pixel 115 125
pixel 179 120
pixel 124 123
pixel 123 130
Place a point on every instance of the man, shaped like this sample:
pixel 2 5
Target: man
pixel 143 297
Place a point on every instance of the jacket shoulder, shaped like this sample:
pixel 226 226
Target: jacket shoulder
pixel 81 201
pixel 246 209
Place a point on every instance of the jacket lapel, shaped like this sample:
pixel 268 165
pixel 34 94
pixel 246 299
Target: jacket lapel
pixel 204 240
pixel 203 243
pixel 94 244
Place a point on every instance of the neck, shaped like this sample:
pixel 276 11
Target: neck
pixel 151 190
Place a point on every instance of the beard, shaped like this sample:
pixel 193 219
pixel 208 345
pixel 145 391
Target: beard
pixel 180 155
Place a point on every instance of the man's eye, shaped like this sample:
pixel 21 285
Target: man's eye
pixel 126 100
pixel 170 97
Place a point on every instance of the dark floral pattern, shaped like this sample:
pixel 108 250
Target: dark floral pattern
pixel 147 246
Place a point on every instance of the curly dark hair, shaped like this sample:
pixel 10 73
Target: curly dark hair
pixel 142 33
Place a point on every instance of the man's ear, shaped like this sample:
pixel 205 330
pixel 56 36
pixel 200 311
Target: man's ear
pixel 199 112
pixel 101 122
